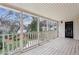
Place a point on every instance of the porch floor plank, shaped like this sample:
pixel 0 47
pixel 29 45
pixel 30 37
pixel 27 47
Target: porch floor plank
pixel 59 46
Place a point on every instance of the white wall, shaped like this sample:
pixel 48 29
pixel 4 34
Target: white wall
pixel 75 28
pixel 61 29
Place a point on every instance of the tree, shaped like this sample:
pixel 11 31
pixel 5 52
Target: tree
pixel 33 25
pixel 10 19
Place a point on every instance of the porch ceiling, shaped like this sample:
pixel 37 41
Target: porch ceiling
pixel 51 10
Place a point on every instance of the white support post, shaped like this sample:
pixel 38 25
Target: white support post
pixel 38 29
pixel 47 30
pixel 21 31
pixel 47 26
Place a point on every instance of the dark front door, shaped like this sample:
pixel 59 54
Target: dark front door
pixel 69 29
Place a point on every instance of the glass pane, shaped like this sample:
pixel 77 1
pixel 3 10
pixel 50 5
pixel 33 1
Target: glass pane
pixel 9 25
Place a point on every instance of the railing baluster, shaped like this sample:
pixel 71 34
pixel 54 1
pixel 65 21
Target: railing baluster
pixel 27 36
pixel 8 45
pixel 3 49
pixel 33 34
pixel 36 39
pixel 30 39
pixel 12 43
pixel 16 42
pixel 25 39
pixel 33 37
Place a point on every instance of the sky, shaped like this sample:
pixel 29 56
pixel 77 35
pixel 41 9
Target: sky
pixel 2 11
pixel 27 20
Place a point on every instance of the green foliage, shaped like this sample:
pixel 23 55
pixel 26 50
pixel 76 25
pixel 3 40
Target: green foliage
pixel 33 26
pixel 0 42
pixel 40 28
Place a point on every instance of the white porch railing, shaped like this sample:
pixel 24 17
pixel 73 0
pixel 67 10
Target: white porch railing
pixel 10 43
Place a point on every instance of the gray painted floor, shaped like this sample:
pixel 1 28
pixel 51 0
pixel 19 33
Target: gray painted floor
pixel 59 46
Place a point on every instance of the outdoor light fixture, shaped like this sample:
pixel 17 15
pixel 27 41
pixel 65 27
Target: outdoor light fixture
pixel 61 21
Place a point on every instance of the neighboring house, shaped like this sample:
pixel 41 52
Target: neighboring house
pixel 51 26
pixel 24 31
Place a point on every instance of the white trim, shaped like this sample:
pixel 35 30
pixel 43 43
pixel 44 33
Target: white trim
pixel 9 8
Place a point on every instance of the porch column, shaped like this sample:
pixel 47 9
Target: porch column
pixel 21 31
pixel 47 29
pixel 38 28
pixel 47 25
